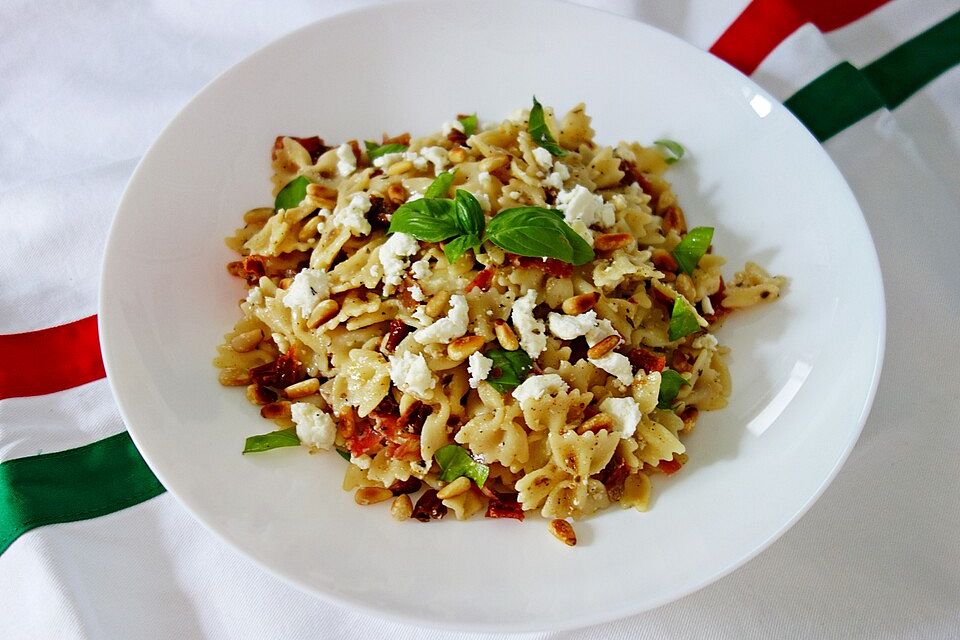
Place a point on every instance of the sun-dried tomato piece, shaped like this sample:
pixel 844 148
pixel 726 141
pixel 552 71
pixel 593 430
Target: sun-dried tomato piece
pixel 550 266
pixel 378 215
pixel 413 418
pixel 457 137
pixel 428 507
pixel 281 373
pixel 550 195
pixel 613 476
pixel 632 174
pixel 250 268
pixel 402 487
pixel 669 467
pixel 483 280
pixel 397 331
pixel 681 361
pixel 716 301
pixel 314 146
pixel 403 138
pixel 358 433
pixel 505 505
pixel 404 446
pixel 647 360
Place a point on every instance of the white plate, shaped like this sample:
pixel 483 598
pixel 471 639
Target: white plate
pixel 804 369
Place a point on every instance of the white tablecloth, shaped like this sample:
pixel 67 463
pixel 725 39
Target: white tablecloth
pixel 84 89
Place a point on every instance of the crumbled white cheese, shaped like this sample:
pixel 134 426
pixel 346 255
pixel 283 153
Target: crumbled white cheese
pixel 420 315
pixel 255 296
pixel 309 287
pixel 625 413
pixel 603 329
pixel 361 461
pixel 446 329
pixel 417 293
pixel 281 341
pixel 707 306
pixel 420 269
pixel 387 159
pixel 437 156
pixel 534 388
pixel 706 341
pixel 571 327
pixel 543 158
pixel 394 254
pixel 315 428
pixel 479 366
pixel 616 364
pixel 484 179
pixel 352 215
pixel 532 337
pixel 579 204
pixel 411 374
pixel 557 176
pixel 514 195
pixel 450 127
pixel 346 160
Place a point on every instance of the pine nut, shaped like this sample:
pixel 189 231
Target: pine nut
pixel 285 283
pixel 325 203
pixel 505 336
pixel 302 389
pixel 581 304
pixel 684 286
pixel 493 163
pixel 321 191
pixel 437 304
pixel 401 508
pixel 258 216
pixel 260 395
pixel 603 347
pixel 246 341
pixel 457 155
pixel 459 486
pixel 323 312
pixel 275 410
pixel 372 495
pixel 462 348
pixel 611 241
pixel 563 531
pixel 399 167
pixel 596 423
pixel 396 193
pixel 309 229
pixel 234 377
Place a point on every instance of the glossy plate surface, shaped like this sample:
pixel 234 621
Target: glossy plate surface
pixel 804 369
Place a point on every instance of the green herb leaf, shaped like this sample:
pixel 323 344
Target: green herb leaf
pixel 469 213
pixel 510 368
pixel 455 462
pixel 469 123
pixel 292 194
pixel 538 233
pixel 344 454
pixel 427 219
pixel 455 249
pixel 683 320
pixel 670 383
pixel 375 150
pixel 674 149
pixel 693 247
pixel 272 440
pixel 538 130
pixel 440 187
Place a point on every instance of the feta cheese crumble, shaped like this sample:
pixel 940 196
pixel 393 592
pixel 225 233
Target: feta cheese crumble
pixel 437 156
pixel 394 254
pixel 450 127
pixel 479 366
pixel 308 288
pixel 543 158
pixel 420 269
pixel 535 387
pixel 411 374
pixel 532 337
pixel 352 215
pixel 420 315
pixel 346 160
pixel 255 296
pixel 571 327
pixel 616 364
pixel 557 176
pixel 446 329
pixel 582 209
pixel 417 293
pixel 706 341
pixel 315 428
pixel 625 413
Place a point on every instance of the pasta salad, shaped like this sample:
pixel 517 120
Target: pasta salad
pixel 495 320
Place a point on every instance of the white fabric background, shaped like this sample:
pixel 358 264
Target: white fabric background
pixel 84 89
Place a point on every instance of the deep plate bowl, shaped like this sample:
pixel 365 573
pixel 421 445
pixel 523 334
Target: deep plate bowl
pixel 804 369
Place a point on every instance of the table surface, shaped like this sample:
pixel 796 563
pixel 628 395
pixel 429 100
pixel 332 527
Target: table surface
pixel 85 88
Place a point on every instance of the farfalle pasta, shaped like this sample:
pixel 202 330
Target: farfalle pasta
pixel 495 320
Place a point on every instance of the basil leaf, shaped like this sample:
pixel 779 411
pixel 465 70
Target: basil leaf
pixel 374 150
pixel 538 130
pixel 538 233
pixel 674 149
pixel 344 454
pixel 272 440
pixel 693 247
pixel 469 123
pixel 469 213
pixel 440 187
pixel 455 462
pixel 455 249
pixel 292 194
pixel 683 320
pixel 510 368
pixel 427 219
pixel 670 383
